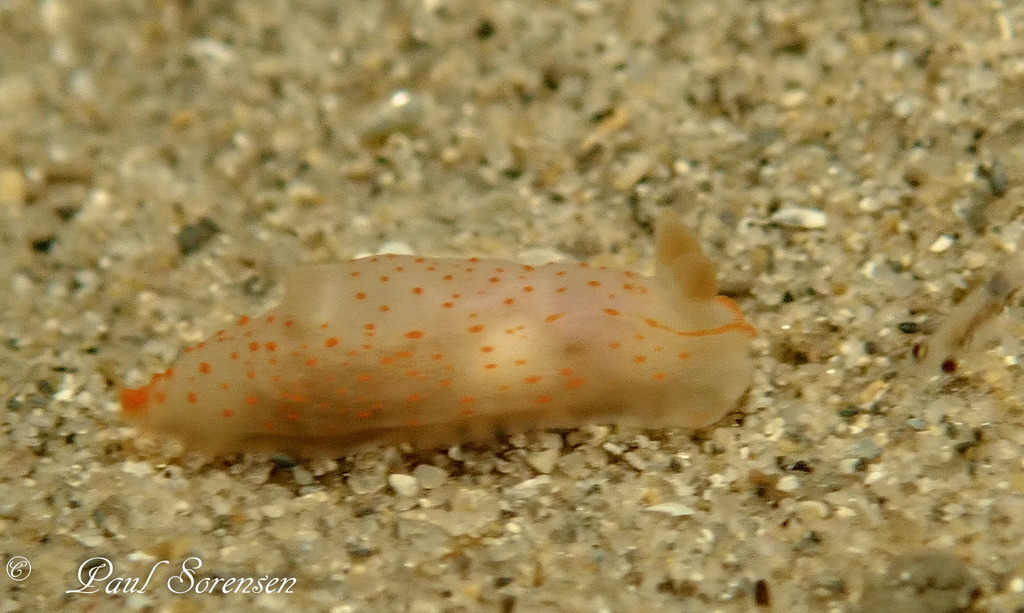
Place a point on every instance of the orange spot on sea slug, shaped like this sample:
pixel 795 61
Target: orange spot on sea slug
pixel 134 401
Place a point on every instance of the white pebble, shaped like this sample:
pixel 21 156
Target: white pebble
pixel 404 485
pixel 812 509
pixel 941 244
pixel 849 466
pixel 675 509
pixel 543 461
pixel 635 460
pixel 302 475
pixel 789 483
pixel 396 247
pixel 139 469
pixel 528 488
pixel 429 476
pixel 613 449
pixel 800 217
pixel 273 511
pixel 323 466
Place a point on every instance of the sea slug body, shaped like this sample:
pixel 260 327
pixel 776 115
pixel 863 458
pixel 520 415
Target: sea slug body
pixel 436 351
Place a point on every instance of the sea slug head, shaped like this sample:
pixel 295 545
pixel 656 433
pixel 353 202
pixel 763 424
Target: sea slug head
pixel 138 404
